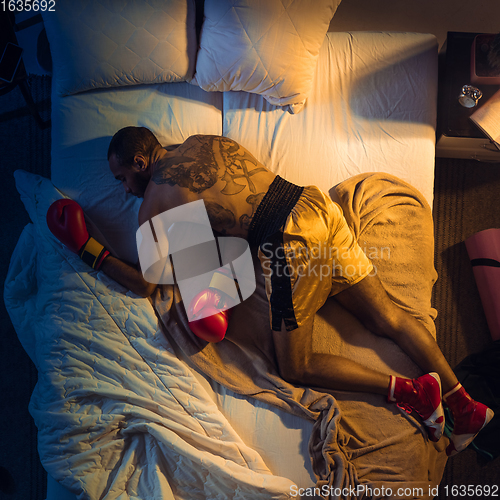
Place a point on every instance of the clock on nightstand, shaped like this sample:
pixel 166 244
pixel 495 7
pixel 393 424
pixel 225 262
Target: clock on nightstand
pixel 458 98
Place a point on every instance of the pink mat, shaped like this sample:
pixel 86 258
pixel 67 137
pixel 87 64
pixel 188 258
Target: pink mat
pixel 484 252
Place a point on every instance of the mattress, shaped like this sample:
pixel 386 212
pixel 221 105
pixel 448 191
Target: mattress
pixel 372 108
pixel 349 125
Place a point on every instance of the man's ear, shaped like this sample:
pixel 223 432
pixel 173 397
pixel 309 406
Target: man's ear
pixel 140 162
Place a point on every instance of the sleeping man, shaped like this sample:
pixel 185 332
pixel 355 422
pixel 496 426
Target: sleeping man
pixel 244 199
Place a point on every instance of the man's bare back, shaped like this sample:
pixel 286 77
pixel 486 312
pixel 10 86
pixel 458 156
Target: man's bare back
pixel 215 169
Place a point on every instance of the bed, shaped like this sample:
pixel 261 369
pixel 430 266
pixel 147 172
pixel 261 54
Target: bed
pixel 129 404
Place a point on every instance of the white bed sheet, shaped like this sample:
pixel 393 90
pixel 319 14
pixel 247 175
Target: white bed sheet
pixel 281 439
pixel 372 109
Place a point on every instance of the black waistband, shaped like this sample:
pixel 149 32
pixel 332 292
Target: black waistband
pixel 273 210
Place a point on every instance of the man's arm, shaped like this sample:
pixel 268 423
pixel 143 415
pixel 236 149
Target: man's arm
pixel 65 219
pixel 128 276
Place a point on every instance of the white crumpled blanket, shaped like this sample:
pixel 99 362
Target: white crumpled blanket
pixel 119 415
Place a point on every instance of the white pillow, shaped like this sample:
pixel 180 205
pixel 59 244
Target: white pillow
pixel 267 47
pixel 37 194
pixel 102 43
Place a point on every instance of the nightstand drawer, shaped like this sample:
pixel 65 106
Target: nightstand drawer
pixel 467 148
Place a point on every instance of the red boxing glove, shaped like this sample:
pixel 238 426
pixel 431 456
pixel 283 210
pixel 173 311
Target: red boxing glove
pixel 213 305
pixel 67 223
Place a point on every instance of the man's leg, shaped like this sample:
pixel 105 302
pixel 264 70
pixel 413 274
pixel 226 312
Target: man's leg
pixel 369 302
pixel 299 364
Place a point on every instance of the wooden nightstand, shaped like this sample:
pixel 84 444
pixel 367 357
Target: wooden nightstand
pixel 457 136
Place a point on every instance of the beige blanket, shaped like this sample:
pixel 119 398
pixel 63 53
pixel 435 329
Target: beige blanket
pixel 358 439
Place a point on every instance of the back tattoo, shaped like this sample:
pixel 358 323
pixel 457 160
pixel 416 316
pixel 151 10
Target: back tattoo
pixel 206 159
pixel 203 161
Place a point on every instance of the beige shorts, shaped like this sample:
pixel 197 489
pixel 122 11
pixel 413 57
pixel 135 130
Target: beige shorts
pixel 312 257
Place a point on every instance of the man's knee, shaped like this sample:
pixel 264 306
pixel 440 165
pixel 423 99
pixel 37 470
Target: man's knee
pixel 387 322
pixel 370 303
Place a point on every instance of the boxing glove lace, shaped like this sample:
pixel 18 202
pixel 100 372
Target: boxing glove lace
pixel 66 221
